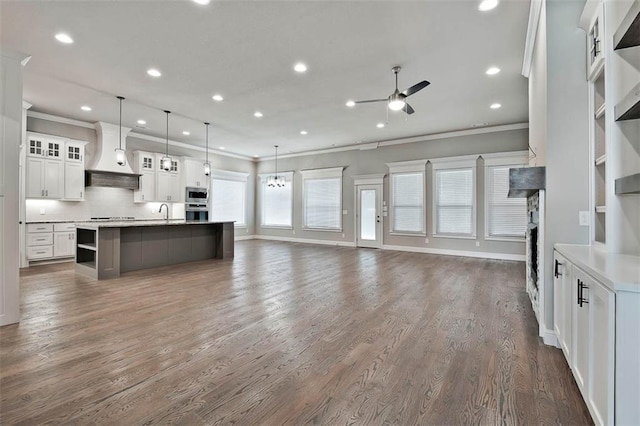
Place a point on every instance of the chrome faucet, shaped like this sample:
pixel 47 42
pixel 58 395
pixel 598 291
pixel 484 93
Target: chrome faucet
pixel 160 210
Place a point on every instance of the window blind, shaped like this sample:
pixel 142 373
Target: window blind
pixel 228 200
pixel 277 203
pixel 323 203
pixel 408 202
pixel 454 201
pixel 506 217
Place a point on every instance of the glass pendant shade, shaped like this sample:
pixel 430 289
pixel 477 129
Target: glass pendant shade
pixel 207 169
pixel 273 180
pixel 121 158
pixel 166 163
pixel 207 164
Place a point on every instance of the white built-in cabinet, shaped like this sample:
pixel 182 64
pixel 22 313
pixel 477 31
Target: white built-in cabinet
pixel 47 241
pixel 595 42
pixel 54 168
pixel 596 317
pixel 193 172
pixel 157 184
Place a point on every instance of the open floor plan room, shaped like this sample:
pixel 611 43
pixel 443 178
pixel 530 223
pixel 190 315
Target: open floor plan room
pixel 285 334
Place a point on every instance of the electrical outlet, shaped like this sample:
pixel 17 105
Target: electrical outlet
pixel 342 235
pixel 294 232
pixel 42 211
pixel 477 243
pixel 345 212
pixel 426 241
pixel 583 218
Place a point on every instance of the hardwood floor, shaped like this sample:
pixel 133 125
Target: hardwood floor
pixel 285 334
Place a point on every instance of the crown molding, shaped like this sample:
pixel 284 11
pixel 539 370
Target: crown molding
pixel 535 9
pixel 63 120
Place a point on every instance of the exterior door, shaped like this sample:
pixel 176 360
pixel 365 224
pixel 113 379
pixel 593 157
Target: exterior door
pixel 369 216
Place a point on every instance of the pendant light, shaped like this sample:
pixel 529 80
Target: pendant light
pixel 207 165
pixel 121 158
pixel 166 160
pixel 274 181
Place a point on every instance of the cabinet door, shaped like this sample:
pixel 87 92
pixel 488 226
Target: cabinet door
pixel 54 149
pixel 73 181
pixel 601 351
pixel 36 146
pixel 74 153
pixel 562 307
pixel 194 174
pixel 63 244
pixel 35 178
pixel 175 191
pixel 163 186
pixel 580 351
pixel 595 42
pixel 53 179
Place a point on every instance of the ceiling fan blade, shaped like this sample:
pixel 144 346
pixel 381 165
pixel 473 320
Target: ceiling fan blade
pixel 372 100
pixel 407 108
pixel 416 87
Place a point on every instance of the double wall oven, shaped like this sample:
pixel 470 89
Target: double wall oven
pixel 196 204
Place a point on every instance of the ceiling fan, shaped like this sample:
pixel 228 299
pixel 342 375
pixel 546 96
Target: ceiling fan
pixel 397 100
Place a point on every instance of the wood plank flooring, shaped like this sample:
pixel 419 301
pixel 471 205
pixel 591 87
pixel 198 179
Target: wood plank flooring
pixel 285 334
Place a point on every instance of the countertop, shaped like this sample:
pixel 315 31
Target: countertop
pixel 148 222
pixel 619 272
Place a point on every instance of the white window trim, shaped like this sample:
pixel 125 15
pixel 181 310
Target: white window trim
pixel 329 173
pixel 455 163
pixel 408 167
pixel 513 159
pixel 237 177
pixel 288 178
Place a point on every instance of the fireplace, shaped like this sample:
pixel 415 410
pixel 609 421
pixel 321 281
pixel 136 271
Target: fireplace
pixel 534 252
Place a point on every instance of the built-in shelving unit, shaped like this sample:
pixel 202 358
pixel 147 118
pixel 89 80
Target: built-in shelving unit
pixel 86 248
pixel 628 33
pixel 628 184
pixel 599 154
pixel 629 107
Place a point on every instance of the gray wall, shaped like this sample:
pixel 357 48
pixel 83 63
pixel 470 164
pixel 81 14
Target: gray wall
pixel 567 135
pixel 372 162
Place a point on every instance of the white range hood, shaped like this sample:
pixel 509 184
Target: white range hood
pixel 105 171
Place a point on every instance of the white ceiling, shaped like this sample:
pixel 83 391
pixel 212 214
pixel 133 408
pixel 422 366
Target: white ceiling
pixel 245 50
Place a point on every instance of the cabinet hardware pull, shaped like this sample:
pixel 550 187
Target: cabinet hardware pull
pixel 556 272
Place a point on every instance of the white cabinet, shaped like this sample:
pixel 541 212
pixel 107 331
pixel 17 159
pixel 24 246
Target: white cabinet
pixel 49 241
pixel 580 350
pixel 595 42
pixel 168 182
pixel 193 171
pixel 145 164
pixel 74 181
pixel 44 178
pixel 64 244
pixel 45 146
pixel 562 306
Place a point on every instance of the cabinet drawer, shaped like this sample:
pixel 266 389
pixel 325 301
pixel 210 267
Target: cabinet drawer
pixel 44 252
pixel 41 239
pixel 39 227
pixel 64 227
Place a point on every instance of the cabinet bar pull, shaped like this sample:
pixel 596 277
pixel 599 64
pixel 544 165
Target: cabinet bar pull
pixel 556 273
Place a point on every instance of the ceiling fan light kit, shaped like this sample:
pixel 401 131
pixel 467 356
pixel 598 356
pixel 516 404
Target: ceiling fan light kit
pixel 397 100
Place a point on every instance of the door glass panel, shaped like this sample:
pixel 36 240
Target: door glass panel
pixel 368 214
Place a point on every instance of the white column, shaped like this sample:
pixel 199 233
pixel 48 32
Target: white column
pixel 11 65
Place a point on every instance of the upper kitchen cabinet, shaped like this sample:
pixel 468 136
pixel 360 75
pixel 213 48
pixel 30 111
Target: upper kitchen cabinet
pixel 168 186
pixel 74 171
pixel 44 178
pixel 595 45
pixel 144 163
pixel 47 146
pixel 193 172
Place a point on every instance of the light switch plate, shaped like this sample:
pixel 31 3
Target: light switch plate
pixel 583 218
pixel 384 213
pixel 345 212
pixel 42 211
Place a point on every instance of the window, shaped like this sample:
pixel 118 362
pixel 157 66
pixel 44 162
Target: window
pixel 454 192
pixel 407 198
pixel 277 202
pixel 504 217
pixel 322 197
pixel 228 196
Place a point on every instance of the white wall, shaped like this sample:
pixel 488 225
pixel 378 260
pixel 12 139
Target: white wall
pixel 538 93
pixel 11 134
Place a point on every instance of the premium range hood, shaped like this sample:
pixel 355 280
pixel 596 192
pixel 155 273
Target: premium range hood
pixel 526 181
pixel 105 171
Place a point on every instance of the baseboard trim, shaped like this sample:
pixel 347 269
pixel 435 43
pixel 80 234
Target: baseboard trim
pixel 549 337
pixel 463 253
pixel 244 237
pixel 306 241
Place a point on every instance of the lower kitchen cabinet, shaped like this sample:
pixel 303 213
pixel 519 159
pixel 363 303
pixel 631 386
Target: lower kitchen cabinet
pixel 48 241
pixel 596 320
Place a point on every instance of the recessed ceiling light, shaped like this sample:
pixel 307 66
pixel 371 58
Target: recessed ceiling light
pixel 154 72
pixel 495 106
pixel 257 114
pixel 350 103
pixel 487 5
pixel 202 2
pixel 380 125
pixel 493 71
pixel 186 133
pixel 217 98
pixel 64 38
pixel 300 67
pixel 85 108
pixel 256 156
pixel 141 122
pixel 222 148
pixel 479 124
pixel 303 132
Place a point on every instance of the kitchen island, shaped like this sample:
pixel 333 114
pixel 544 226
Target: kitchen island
pixel 107 249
